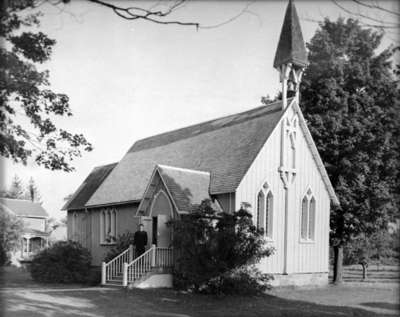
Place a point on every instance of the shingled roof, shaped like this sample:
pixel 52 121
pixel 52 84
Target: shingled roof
pixel 21 207
pixel 225 147
pixel 88 187
pixel 291 46
pixel 188 188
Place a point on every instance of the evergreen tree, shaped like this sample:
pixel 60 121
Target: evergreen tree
pixel 32 192
pixel 350 98
pixel 16 190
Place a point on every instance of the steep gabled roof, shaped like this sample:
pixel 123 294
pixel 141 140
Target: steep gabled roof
pixel 88 187
pixel 291 48
pixel 22 207
pixel 224 147
pixel 188 188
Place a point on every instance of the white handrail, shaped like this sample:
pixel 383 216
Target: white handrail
pixel 139 266
pixel 154 257
pixel 115 267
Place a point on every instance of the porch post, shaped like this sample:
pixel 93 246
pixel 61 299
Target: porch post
pixel 28 245
pixel 125 275
pixel 103 273
pixel 153 255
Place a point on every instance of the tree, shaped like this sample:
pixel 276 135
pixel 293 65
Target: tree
pixel 32 192
pixel 214 251
pixel 350 98
pixel 29 106
pixel 16 190
pixel 10 234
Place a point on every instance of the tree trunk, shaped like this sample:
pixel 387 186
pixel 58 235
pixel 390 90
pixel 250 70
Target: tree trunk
pixel 364 269
pixel 338 264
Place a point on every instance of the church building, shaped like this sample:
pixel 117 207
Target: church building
pixel 264 158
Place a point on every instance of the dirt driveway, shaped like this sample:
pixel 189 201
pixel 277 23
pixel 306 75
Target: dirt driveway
pixel 22 297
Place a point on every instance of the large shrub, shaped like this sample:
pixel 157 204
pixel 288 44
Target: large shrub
pixel 63 262
pixel 121 244
pixel 10 234
pixel 214 252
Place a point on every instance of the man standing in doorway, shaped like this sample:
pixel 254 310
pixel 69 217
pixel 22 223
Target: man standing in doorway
pixel 140 240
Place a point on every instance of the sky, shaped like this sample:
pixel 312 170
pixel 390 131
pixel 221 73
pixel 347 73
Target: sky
pixel 127 80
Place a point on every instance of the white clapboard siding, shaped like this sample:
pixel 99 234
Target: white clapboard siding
pixel 302 257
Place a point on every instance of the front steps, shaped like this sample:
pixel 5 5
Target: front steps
pixel 156 278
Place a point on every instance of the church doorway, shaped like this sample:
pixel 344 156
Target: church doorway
pixel 161 213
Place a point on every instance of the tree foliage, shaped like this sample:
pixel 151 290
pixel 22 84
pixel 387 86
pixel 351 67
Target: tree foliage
pixel 10 234
pixel 29 106
pixel 122 243
pixel 63 262
pixel 215 250
pixel 350 98
pixel 18 190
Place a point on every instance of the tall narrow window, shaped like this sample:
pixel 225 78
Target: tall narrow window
pixel 74 226
pixel 304 218
pixel 260 210
pixel 108 226
pixel 311 221
pixel 308 207
pixel 265 207
pixel 268 212
pixel 102 226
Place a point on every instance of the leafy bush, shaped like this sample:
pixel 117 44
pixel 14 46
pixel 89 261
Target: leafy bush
pixel 247 280
pixel 11 231
pixel 63 262
pixel 122 243
pixel 214 250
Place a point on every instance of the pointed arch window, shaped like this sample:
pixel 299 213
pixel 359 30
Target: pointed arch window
pixel 265 206
pixel 308 210
pixel 108 226
pixel 74 226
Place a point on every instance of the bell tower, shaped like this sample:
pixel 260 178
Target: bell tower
pixel 291 55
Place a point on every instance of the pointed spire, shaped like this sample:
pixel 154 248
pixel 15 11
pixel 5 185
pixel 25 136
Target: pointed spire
pixel 291 47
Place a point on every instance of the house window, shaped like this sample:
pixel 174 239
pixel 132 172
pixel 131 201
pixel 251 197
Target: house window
pixel 265 207
pixel 108 226
pixel 74 230
pixel 308 206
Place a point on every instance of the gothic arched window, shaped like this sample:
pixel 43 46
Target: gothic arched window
pixel 265 205
pixel 308 209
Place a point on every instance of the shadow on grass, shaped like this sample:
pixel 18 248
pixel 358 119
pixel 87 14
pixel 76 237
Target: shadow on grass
pixel 383 305
pixel 163 303
pixel 21 298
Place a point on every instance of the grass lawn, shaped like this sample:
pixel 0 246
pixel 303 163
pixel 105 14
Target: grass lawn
pixel 23 297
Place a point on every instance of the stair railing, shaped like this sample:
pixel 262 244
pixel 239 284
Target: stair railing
pixel 154 257
pixel 139 266
pixel 164 257
pixel 115 267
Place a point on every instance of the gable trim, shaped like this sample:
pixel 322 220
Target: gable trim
pixel 156 170
pixel 161 191
pixel 278 124
pixel 315 154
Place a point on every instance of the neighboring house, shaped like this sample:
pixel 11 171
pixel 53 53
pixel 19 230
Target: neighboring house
pixel 265 157
pixel 34 217
pixel 59 233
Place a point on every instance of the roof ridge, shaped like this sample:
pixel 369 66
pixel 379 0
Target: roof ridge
pixel 183 169
pixel 105 165
pixel 269 106
pixel 19 199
